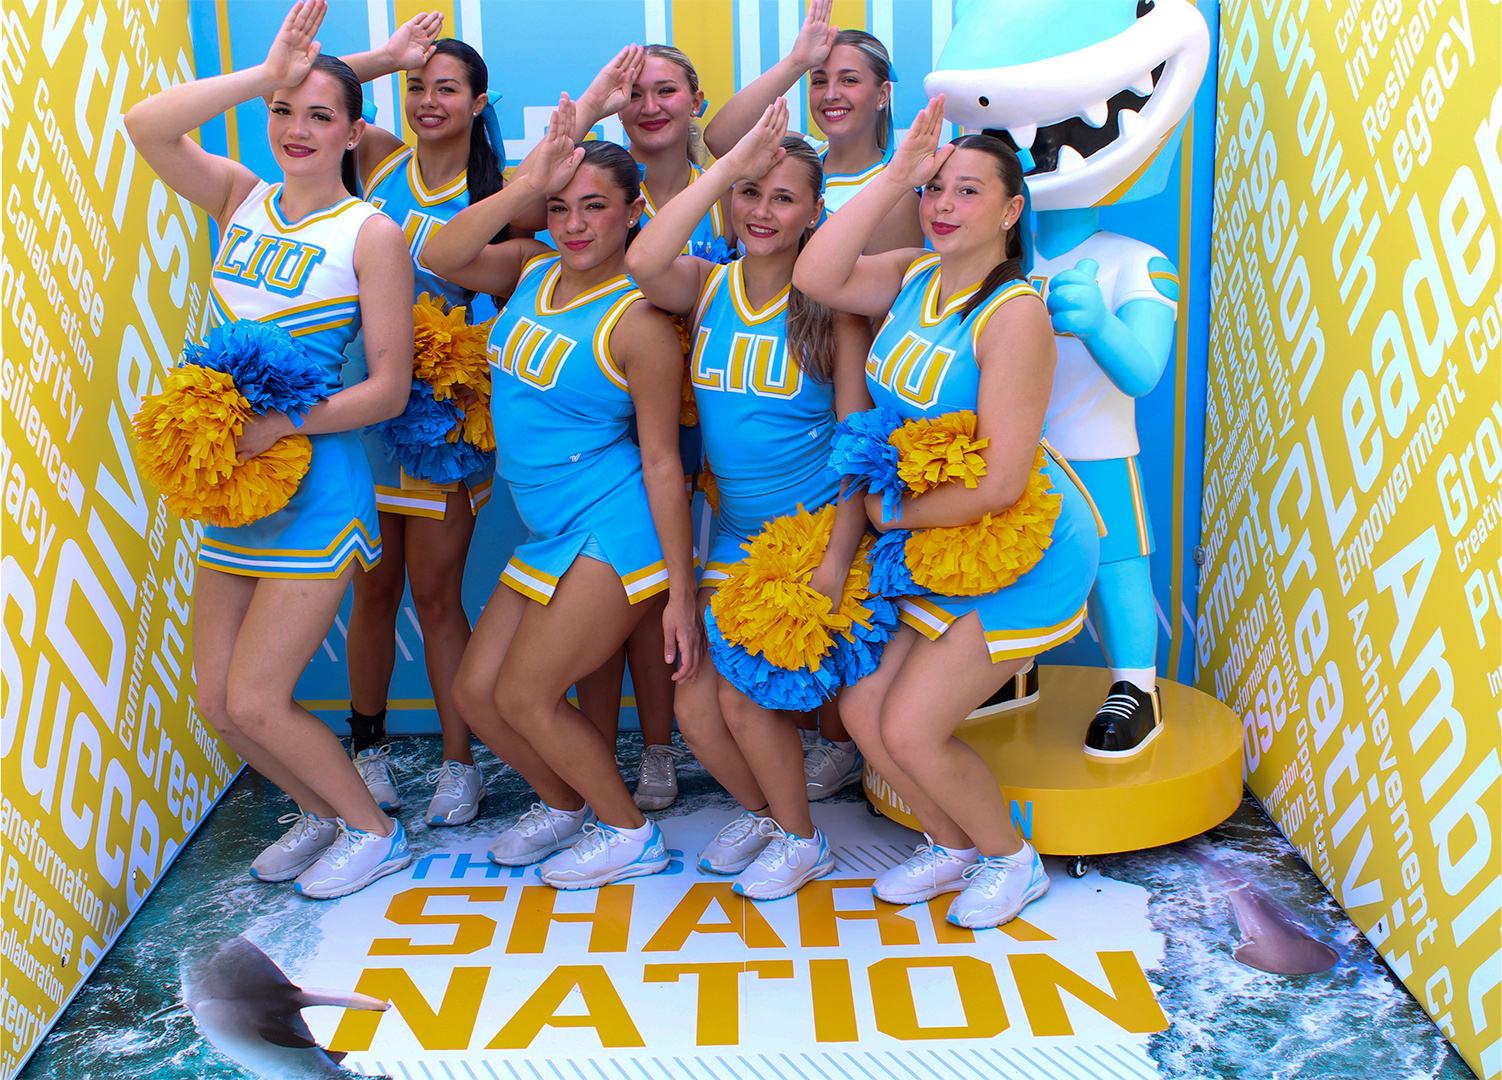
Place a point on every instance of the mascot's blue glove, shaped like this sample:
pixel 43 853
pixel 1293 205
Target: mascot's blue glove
pixel 1075 301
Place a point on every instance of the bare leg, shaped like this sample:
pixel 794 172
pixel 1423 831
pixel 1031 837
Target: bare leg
pixel 769 742
pixel 697 704
pixel 474 698
pixel 861 707
pixel 600 695
pixel 220 601
pixel 371 649
pixel 938 685
pixel 553 647
pixel 829 723
pixel 438 550
pixel 651 679
pixel 284 624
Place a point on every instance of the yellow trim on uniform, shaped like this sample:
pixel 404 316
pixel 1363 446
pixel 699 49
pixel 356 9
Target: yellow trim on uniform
pixel 603 359
pixel 852 179
pixel 711 285
pixel 252 569
pixel 749 315
pixel 1100 522
pixel 433 198
pixel 924 616
pixel 529 581
pixel 480 494
pixel 1163 275
pixel 533 263
pixel 647 582
pixel 302 330
pixel 285 226
pixel 550 283
pixel 385 168
pixel 993 302
pixel 917 266
pixel 1015 644
pixel 929 312
pixel 409 503
pixel 1139 508
pixel 293 553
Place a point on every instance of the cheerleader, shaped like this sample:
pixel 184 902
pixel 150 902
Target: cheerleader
pixel 767 414
pixel 576 354
pixel 426 527
pixel 962 330
pixel 850 81
pixel 268 591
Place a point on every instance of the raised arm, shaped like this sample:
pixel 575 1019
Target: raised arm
pixel 385 275
pixel 460 252
pixel 673 281
pixel 1016 357
pixel 740 114
pixel 645 345
pixel 832 269
pixel 408 49
pixel 159 126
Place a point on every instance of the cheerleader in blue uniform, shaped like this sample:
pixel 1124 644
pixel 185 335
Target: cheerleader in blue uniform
pixel 307 255
pixel 576 354
pixel 426 527
pixel 962 331
pixel 770 370
pixel 850 81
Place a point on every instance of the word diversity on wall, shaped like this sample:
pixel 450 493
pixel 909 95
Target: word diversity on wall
pixel 1350 598
pixel 107 769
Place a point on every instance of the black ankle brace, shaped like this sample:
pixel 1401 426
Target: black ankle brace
pixel 367 731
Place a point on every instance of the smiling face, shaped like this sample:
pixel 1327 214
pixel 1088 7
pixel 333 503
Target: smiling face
pixel 662 105
pixel 439 103
pixel 845 96
pixel 308 129
pixel 967 207
pixel 589 219
pixel 771 214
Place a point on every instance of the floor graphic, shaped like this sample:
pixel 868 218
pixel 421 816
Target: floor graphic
pixel 1160 963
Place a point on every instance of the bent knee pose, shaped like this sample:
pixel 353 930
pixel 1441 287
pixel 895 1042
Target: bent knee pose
pixel 270 589
pixel 850 81
pixel 984 345
pixel 578 353
pixel 426 527
pixel 768 415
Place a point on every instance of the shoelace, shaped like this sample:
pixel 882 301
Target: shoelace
pixel 596 838
pixel 1122 705
pixel 341 849
pixel 987 874
pixel 923 857
pixel 537 818
pixel 449 778
pixel 738 830
pixel 301 826
pixel 657 764
pixel 782 849
pixel 380 760
pixel 812 763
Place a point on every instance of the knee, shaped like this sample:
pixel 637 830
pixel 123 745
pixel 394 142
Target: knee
pixel 436 601
pixel 520 704
pixel 473 697
pixel 249 710
pixel 860 711
pixel 380 594
pixel 214 709
pixel 905 742
pixel 739 711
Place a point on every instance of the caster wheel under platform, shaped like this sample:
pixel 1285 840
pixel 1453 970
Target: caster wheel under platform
pixel 1188 780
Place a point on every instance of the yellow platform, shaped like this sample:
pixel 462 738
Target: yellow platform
pixel 1187 781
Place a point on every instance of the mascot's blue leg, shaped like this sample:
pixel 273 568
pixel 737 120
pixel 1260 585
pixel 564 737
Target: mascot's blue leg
pixel 1121 608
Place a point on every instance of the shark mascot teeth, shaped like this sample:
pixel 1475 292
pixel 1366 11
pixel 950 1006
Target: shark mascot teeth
pixel 1093 95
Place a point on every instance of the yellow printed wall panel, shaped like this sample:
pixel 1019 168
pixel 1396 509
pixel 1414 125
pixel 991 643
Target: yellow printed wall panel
pixel 106 767
pixel 1349 604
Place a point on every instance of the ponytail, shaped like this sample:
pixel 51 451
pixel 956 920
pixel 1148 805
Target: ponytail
pixel 485 172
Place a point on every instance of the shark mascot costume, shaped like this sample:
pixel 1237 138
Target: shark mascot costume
pixel 1093 95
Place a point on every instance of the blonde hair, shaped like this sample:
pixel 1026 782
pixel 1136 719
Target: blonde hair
pixel 698 153
pixel 880 63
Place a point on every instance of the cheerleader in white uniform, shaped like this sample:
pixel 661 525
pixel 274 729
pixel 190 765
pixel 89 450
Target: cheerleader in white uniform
pixel 268 591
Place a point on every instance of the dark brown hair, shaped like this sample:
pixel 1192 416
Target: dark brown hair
pixel 1010 171
pixel 486 167
pixel 353 102
pixel 810 324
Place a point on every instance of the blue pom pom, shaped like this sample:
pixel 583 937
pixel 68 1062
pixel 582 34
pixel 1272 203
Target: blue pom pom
pixel 860 450
pixel 769 686
pixel 418 439
pixel 857 656
pixel 889 573
pixel 267 365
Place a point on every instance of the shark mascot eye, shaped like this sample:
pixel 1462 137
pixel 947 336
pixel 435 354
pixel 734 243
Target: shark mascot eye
pixel 1093 95
pixel 1095 91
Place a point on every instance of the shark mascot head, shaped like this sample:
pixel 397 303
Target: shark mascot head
pixel 1096 91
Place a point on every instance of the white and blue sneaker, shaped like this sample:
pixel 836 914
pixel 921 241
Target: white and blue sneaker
pixel 603 855
pixel 785 865
pixel 829 767
pixel 538 833
pixel 308 837
pixel 458 791
pixel 930 871
pixel 734 847
pixel 353 861
pixel 997 887
pixel 374 767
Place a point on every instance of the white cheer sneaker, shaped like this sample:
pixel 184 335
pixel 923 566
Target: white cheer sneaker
pixel 785 865
pixel 354 860
pixel 538 833
pixel 605 854
pixel 297 849
pixel 459 790
pixel 734 847
pixel 997 887
pixel 829 767
pixel 929 872
pixel 374 767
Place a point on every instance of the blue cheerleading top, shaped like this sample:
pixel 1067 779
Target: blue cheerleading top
pixel 767 426
pixel 396 187
pixel 710 238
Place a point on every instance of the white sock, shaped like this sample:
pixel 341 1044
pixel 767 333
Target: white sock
pixel 848 745
pixel 577 815
pixel 969 854
pixel 643 832
pixel 1021 858
pixel 1143 678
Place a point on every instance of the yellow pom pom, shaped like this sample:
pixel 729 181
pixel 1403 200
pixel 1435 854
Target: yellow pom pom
pixel 938 451
pixel 972 560
pixel 449 353
pixel 857 589
pixel 710 486
pixel 187 434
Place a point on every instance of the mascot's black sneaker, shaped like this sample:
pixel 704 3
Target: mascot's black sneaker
pixel 1017 692
pixel 1125 724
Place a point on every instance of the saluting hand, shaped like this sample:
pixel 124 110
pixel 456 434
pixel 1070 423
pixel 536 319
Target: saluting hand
pixel 816 37
pixel 415 40
pixel 919 156
pixel 760 149
pixel 557 158
pixel 610 91
pixel 293 50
